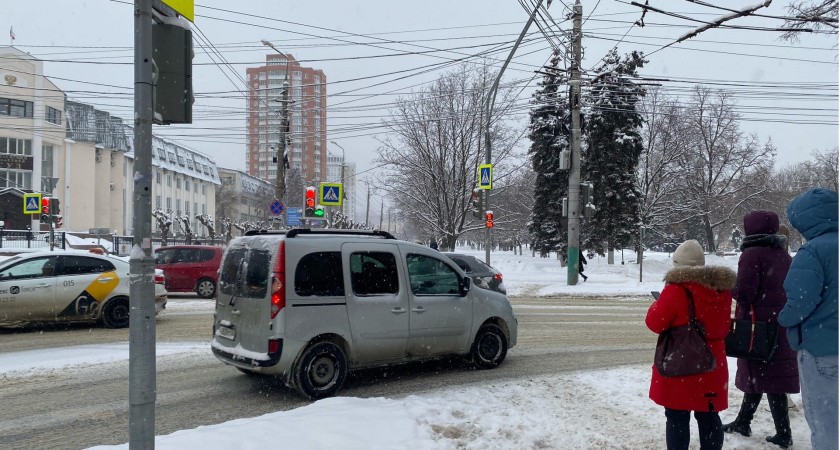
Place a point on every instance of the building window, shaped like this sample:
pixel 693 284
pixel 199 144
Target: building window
pixel 53 116
pixel 168 203
pixel 195 187
pixel 15 108
pixel 203 189
pixel 169 180
pixel 203 209
pixel 14 146
pixel 187 185
pixel 16 179
pixel 178 206
pixel 157 177
pixel 157 201
pixel 195 206
pixel 177 183
pixel 47 156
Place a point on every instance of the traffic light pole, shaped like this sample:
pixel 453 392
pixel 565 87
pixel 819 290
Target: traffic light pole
pixel 574 173
pixel 141 348
pixel 491 99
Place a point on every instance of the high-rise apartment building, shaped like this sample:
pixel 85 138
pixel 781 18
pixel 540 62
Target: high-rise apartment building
pixel 307 146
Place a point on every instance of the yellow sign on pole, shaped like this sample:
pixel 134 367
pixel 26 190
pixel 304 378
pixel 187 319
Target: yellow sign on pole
pixel 331 194
pixel 485 176
pixel 185 8
pixel 32 203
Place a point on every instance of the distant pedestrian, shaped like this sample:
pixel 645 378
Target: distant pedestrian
pixel 434 244
pixel 762 269
pixel 810 313
pixel 581 263
pixel 706 393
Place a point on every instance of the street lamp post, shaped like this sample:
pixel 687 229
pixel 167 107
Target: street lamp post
pixel 280 171
pixel 491 99
pixel 342 175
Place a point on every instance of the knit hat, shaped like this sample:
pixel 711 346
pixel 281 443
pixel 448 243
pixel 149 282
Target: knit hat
pixel 761 222
pixel 689 253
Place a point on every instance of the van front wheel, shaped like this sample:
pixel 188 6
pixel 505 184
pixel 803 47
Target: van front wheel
pixel 321 370
pixel 490 347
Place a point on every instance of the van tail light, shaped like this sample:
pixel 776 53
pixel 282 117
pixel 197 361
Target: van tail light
pixel 278 282
pixel 497 277
pixel 273 346
pixel 159 279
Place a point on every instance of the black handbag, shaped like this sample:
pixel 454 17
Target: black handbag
pixel 752 339
pixel 683 351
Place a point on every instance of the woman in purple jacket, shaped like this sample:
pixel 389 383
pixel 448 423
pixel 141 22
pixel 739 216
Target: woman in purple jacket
pixel 762 270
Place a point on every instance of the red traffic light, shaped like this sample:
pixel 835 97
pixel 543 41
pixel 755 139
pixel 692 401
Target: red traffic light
pixel 310 203
pixel 310 193
pixel 45 202
pixel 489 217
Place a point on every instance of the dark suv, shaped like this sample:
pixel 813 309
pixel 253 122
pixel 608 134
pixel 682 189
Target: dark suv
pixel 190 268
pixel 483 276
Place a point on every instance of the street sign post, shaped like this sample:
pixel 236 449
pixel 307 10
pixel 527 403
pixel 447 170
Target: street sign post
pixel 276 207
pixel 331 194
pixel 485 176
pixel 293 216
pixel 32 203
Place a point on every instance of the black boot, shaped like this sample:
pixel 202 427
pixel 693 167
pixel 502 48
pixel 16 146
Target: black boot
pixel 741 425
pixel 779 410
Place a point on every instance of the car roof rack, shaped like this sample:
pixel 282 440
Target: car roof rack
pixel 258 232
pixel 379 233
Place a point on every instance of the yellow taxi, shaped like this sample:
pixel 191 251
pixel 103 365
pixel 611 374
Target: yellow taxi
pixel 68 286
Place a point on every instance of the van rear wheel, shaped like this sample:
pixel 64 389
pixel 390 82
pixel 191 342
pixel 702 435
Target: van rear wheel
pixel 321 370
pixel 490 347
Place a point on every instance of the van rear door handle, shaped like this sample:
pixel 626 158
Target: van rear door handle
pixel 418 309
pixel 398 310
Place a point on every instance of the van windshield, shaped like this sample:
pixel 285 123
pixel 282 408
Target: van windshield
pixel 245 273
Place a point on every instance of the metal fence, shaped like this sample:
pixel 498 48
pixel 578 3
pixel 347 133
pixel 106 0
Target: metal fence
pixel 17 239
pixel 123 244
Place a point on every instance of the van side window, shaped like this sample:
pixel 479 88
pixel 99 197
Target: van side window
pixel 207 255
pixel 319 274
pixel 374 273
pixel 431 276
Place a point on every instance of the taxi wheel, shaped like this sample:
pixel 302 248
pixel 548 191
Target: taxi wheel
pixel 490 347
pixel 115 313
pixel 321 370
pixel 205 288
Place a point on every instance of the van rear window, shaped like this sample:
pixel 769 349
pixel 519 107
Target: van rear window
pixel 245 273
pixel 319 274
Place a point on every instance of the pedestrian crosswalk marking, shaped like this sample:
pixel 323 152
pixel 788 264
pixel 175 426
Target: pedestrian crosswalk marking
pixel 331 194
pixel 32 204
pixel 485 176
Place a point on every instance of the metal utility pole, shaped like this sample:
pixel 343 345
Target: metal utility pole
pixel 141 349
pixel 343 161
pixel 280 182
pixel 381 213
pixel 574 173
pixel 367 210
pixel 491 99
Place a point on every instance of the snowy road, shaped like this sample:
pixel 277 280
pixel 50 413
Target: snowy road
pixel 80 406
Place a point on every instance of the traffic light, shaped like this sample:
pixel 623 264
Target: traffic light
pixel 319 211
pixel 58 221
pixel 309 211
pixel 476 202
pixel 172 52
pixel 489 216
pixel 45 206
pixel 55 206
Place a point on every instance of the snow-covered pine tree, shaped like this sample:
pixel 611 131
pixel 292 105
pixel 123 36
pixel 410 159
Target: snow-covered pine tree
pixel 613 151
pixel 549 134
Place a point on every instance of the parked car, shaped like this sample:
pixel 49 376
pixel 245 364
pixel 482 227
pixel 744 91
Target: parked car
pixel 68 286
pixel 484 276
pixel 190 268
pixel 310 305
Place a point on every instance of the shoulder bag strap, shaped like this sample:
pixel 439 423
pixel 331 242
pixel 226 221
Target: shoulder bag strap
pixel 692 316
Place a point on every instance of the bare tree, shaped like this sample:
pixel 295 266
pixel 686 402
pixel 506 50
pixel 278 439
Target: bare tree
pixel 227 202
pixel 185 223
pixel 207 221
pixel 820 15
pixel 431 163
pixel 722 167
pixel 164 220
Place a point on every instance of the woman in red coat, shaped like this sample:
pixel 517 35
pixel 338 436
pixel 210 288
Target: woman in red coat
pixel 705 394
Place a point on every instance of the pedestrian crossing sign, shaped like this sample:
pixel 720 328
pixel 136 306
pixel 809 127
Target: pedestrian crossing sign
pixel 32 203
pixel 331 194
pixel 485 176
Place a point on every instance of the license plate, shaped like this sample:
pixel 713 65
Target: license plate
pixel 227 333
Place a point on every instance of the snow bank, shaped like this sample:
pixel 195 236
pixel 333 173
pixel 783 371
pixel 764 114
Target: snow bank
pixel 602 409
pixel 528 276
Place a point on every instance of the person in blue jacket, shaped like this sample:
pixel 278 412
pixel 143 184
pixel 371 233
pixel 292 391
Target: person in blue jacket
pixel 810 313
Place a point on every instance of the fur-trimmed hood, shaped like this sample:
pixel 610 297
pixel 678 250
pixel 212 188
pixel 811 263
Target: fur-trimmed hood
pixel 713 277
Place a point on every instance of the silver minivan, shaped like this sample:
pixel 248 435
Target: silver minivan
pixel 310 305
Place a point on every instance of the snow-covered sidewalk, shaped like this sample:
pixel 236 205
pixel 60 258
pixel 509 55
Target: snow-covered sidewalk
pixel 605 409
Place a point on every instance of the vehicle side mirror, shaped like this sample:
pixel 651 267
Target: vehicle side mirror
pixel 465 285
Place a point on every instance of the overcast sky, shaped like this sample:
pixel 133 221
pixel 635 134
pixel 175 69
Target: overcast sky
pixel 103 32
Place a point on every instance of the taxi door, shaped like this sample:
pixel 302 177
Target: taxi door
pixel 82 284
pixel 27 290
